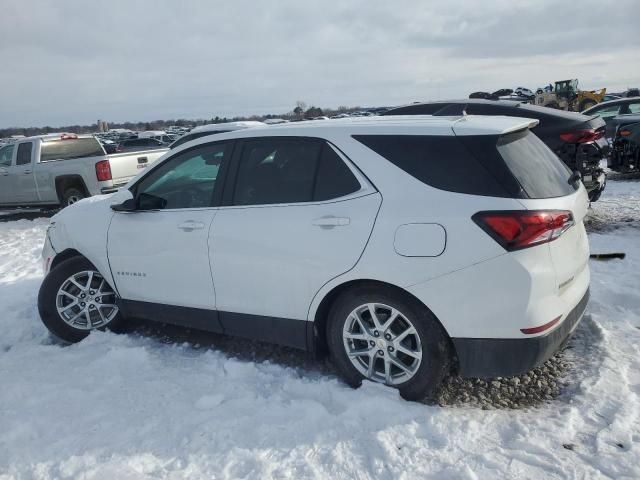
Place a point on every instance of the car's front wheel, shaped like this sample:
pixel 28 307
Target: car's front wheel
pixel 378 335
pixel 75 299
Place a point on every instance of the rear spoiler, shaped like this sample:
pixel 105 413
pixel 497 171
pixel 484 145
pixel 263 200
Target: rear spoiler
pixel 491 125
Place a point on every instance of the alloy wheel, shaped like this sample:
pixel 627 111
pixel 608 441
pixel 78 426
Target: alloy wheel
pixel 85 301
pixel 382 343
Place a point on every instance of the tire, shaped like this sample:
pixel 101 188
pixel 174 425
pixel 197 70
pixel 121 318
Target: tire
pixel 71 195
pixel 50 299
pixel 434 344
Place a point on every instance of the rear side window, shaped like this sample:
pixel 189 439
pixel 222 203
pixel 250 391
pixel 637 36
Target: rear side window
pixel 277 170
pixel 517 165
pixel 540 172
pixel 70 149
pixel 440 161
pixel 24 153
pixel 334 178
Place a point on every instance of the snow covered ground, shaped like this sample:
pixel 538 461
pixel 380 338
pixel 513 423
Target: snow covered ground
pixel 140 406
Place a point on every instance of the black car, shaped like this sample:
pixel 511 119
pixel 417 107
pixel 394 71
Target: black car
pixel 139 144
pixel 609 110
pixel 625 151
pixel 577 139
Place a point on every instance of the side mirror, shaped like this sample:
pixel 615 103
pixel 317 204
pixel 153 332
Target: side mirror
pixel 128 205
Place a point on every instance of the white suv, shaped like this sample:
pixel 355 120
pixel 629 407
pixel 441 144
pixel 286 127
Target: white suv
pixel 410 247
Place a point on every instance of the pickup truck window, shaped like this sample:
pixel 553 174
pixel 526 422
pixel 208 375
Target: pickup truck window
pixel 6 154
pixel 24 153
pixel 69 149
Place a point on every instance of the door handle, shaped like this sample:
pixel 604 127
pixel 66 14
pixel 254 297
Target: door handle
pixel 27 172
pixel 4 173
pixel 330 221
pixel 191 225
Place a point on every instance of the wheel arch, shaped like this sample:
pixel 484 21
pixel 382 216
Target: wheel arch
pixel 316 335
pixel 66 255
pixel 66 181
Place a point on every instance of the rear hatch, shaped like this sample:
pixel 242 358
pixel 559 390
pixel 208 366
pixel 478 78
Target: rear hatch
pixel 542 183
pixel 125 166
pixel 546 185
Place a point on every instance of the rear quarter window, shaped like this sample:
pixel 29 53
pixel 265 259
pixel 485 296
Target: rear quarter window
pixel 70 149
pixel 439 161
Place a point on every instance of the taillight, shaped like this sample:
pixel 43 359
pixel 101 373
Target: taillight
pixel 582 136
pixel 624 133
pixel 103 170
pixel 519 229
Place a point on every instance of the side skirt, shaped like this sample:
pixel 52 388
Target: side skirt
pixel 282 331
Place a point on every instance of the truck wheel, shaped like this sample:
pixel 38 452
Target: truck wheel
pixel 75 299
pixel 377 335
pixel 71 195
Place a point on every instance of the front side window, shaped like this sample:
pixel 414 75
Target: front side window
pixel 24 154
pixel 184 181
pixel 6 154
pixel 277 170
pixel 634 107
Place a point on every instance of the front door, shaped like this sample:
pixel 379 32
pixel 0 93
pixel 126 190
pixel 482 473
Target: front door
pixel 299 216
pixel 159 253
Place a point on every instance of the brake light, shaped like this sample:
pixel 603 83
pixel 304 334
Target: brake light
pixel 582 136
pixel 515 230
pixel 103 170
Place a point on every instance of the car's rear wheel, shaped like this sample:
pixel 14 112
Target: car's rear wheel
pixel 375 334
pixel 72 195
pixel 75 299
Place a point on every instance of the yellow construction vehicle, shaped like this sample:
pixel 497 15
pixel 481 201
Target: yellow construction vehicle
pixel 567 96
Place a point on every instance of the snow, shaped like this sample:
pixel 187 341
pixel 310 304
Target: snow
pixel 139 406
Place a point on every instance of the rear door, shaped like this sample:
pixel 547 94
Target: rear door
pixel 298 214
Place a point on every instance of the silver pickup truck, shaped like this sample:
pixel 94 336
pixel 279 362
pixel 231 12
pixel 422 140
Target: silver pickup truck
pixel 60 169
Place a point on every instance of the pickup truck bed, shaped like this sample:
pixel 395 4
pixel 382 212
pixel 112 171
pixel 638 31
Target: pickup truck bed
pixel 57 170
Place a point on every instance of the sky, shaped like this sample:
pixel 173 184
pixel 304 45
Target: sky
pixel 69 62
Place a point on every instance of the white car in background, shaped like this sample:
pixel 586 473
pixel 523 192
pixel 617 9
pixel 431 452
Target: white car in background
pixel 409 246
pixel 213 129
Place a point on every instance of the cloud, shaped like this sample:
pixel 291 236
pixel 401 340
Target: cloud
pixel 67 62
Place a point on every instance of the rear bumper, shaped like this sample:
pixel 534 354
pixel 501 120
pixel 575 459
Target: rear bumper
pixel 504 357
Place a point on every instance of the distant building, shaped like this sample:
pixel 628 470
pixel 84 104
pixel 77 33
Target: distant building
pixel 103 126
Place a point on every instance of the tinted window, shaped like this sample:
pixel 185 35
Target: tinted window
pixel 6 154
pixel 24 153
pixel 334 178
pixel 537 168
pixel 69 149
pixel 185 181
pixel 517 165
pixel 276 170
pixel 440 161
